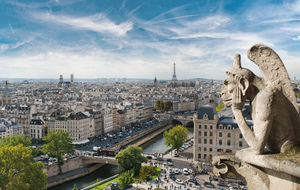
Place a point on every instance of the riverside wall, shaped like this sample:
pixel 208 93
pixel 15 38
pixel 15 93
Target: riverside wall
pixel 71 175
pixel 69 165
pixel 138 137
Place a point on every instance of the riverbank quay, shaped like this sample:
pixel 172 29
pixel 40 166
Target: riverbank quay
pixel 138 137
pixel 70 175
pixel 152 135
pixel 100 182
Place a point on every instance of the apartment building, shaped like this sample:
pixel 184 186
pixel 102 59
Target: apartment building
pixel 8 127
pixel 214 135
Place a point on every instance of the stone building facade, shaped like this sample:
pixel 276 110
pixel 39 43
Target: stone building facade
pixel 214 135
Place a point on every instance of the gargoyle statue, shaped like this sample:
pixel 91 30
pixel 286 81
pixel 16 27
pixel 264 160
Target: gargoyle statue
pixel 276 121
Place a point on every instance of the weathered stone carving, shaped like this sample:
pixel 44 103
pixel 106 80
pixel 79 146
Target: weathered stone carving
pixel 276 121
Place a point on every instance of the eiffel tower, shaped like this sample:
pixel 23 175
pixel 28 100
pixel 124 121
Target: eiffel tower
pixel 174 78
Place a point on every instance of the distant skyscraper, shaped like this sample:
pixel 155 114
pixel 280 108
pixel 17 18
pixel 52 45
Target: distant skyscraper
pixel 72 78
pixel 174 78
pixel 61 79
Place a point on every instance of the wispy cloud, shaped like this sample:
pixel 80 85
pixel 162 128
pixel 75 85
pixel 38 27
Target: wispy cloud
pixel 98 23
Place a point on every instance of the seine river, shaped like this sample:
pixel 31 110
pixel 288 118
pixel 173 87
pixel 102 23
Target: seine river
pixel 155 145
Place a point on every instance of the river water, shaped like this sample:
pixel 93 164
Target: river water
pixel 98 175
pixel 157 144
pixel 152 146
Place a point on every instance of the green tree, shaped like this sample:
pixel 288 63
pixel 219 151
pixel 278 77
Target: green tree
pixel 75 187
pixel 58 144
pixel 131 158
pixel 168 105
pixel 15 140
pixel 162 106
pixel 157 105
pixel 147 172
pixel 176 136
pixel 126 179
pixel 18 170
pixel 219 107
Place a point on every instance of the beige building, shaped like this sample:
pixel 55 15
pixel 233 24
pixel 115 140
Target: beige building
pixel 37 129
pixel 213 135
pixel 77 124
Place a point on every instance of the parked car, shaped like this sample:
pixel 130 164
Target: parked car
pixel 185 171
pixel 176 171
pixel 179 181
pixel 173 177
pixel 170 164
pixel 208 185
pixel 169 160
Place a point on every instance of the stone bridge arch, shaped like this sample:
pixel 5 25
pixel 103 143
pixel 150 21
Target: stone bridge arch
pixel 99 160
pixel 185 120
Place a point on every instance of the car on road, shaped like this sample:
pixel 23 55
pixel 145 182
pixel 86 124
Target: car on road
pixel 173 177
pixel 185 171
pixel 192 180
pixel 159 159
pixel 169 160
pixel 176 171
pixel 179 181
pixel 209 185
pixel 170 164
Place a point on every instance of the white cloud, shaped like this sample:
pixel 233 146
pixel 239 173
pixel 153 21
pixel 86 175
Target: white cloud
pixel 97 23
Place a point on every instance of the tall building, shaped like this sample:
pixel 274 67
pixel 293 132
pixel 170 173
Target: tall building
pixel 72 78
pixel 174 78
pixel 6 97
pixel 61 79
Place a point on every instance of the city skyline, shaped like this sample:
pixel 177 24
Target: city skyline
pixel 133 39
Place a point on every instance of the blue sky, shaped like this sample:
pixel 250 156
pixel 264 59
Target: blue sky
pixel 142 39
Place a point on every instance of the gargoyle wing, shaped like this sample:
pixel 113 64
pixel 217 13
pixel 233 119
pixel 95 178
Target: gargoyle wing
pixel 272 69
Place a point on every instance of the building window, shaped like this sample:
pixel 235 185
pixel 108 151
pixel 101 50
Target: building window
pixel 199 148
pixel 220 126
pixel 199 155
pixel 199 133
pixel 205 141
pixel 205 126
pixel 200 126
pixel 211 127
pixel 205 133
pixel 228 143
pixel 220 142
pixel 228 135
pixel 240 143
pixel 210 149
pixel 204 156
pixel 219 150
pixel 205 149
pixel 241 136
pixel 210 141
pixel 220 134
pixel 199 141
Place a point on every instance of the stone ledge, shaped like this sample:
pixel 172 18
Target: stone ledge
pixel 270 161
